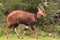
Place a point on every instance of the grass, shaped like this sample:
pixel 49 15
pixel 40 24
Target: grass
pixel 29 38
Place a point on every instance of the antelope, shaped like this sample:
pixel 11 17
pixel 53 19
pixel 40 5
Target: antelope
pixel 23 17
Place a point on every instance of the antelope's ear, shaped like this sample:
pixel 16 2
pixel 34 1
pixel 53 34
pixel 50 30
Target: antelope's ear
pixel 40 8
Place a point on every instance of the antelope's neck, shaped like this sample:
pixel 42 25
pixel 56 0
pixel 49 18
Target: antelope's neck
pixel 37 16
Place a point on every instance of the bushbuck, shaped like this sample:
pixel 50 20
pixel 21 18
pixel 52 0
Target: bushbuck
pixel 22 17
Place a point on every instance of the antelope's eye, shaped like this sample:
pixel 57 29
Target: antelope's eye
pixel 43 11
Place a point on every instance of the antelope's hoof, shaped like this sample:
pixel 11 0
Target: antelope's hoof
pixel 7 37
pixel 22 38
pixel 19 37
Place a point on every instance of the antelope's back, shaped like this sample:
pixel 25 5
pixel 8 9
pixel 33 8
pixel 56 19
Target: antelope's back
pixel 24 16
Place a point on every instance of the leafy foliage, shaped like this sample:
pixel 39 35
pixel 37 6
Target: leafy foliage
pixel 44 24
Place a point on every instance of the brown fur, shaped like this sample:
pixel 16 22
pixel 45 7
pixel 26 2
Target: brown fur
pixel 21 17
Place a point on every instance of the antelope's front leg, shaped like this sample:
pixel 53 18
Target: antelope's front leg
pixel 24 31
pixel 34 32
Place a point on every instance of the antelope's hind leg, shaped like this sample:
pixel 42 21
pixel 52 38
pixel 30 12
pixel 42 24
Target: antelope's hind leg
pixel 7 30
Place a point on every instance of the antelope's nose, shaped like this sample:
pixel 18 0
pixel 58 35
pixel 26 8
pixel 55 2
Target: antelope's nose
pixel 45 15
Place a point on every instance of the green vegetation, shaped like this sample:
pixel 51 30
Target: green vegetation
pixel 44 26
pixel 29 38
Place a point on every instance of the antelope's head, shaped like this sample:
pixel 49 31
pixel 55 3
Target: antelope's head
pixel 41 11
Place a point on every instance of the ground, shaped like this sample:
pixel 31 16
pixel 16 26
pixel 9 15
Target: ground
pixel 29 38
